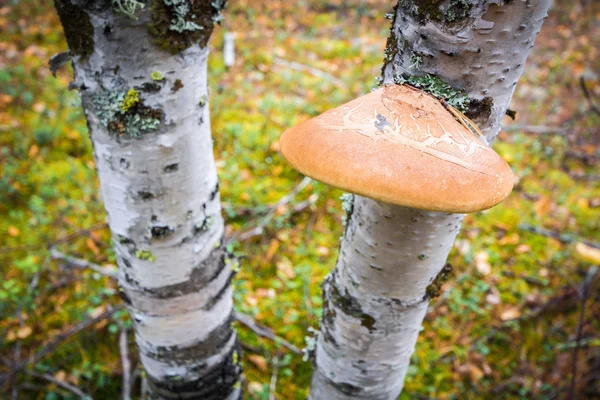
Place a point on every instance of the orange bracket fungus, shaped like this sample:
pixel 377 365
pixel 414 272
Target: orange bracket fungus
pixel 401 146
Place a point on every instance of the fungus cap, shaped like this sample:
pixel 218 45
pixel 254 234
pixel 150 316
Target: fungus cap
pixel 400 146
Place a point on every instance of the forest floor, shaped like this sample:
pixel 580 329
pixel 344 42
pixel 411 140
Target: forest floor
pixel 518 319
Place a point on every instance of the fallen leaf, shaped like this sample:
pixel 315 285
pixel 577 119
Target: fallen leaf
pixel 513 238
pixel 542 206
pixel 259 361
pixel 255 387
pixel 24 332
pixel 510 313
pixel 61 376
pixel 92 246
pixel 33 150
pixel 285 267
pixel 273 246
pixel 588 253
pixel 482 264
pixel 323 251
pixel 522 248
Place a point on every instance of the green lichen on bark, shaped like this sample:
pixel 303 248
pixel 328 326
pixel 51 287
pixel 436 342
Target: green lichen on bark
pixel 437 88
pixel 124 113
pixel 78 29
pixel 179 24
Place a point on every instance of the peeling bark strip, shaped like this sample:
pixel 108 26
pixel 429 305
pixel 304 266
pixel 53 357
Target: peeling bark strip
pixel 472 51
pixel 153 150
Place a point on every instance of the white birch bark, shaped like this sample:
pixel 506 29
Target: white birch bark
pixel 377 296
pixel 148 118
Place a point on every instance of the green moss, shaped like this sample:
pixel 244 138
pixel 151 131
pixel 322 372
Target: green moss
pixel 435 287
pixel 177 85
pixel 349 305
pixel 457 10
pixel 437 88
pixel 437 10
pixel 79 31
pixel 179 24
pixel 480 108
pixel 124 114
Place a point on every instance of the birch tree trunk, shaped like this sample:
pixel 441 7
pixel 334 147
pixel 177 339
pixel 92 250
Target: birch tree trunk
pixel 392 258
pixel 141 70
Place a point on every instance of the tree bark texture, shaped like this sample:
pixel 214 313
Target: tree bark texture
pixel 141 69
pixel 392 258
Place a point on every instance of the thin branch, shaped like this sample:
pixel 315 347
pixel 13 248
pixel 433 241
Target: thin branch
pixel 306 68
pixel 265 332
pixel 50 347
pixel 260 228
pixel 537 129
pixel 82 264
pixel 125 363
pixel 584 294
pixel 273 383
pixel 69 237
pixel 588 96
pixel 67 386
pixel 561 237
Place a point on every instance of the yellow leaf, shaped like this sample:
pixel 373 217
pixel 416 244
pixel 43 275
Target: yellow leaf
pixel 588 253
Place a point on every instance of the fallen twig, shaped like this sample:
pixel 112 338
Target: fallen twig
pixel 82 264
pixel 265 332
pixel 561 237
pixel 69 237
pixel 125 363
pixel 537 129
pixel 67 386
pixel 50 347
pixel 273 383
pixel 296 66
pixel 583 291
pixel 588 96
pixel 260 228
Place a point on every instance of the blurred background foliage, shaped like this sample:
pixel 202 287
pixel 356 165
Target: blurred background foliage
pixel 509 320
